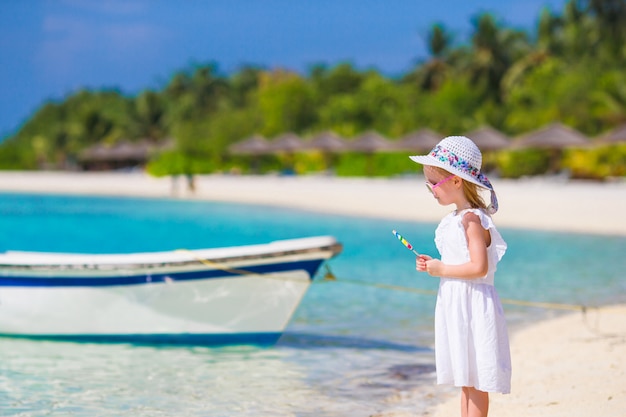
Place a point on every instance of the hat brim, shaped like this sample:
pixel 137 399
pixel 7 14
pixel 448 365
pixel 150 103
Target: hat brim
pixel 430 161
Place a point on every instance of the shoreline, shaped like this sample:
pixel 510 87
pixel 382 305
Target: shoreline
pixel 535 204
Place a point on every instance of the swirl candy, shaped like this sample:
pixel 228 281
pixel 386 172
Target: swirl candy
pixel 404 242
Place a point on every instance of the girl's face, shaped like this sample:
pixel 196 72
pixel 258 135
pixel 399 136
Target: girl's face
pixel 441 185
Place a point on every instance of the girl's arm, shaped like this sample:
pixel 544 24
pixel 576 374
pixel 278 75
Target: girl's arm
pixel 478 239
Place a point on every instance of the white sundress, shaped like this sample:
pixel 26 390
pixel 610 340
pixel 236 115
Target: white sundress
pixel 471 340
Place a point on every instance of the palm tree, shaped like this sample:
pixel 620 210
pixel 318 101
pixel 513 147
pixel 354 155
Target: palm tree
pixel 547 46
pixel 243 83
pixel 434 71
pixel 611 17
pixel 329 83
pixel 208 87
pixel 494 51
pixel 148 119
pixel 580 32
pixel 431 75
pixel 193 95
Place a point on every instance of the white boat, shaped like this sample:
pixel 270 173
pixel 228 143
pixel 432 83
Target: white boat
pixel 230 295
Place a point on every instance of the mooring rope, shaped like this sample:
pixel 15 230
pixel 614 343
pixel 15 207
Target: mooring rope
pixel 330 277
pixel 236 271
pixel 215 265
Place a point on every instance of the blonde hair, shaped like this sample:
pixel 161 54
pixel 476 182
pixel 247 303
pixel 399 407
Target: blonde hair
pixel 470 190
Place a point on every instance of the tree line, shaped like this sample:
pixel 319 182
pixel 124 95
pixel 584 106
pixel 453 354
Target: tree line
pixel 570 69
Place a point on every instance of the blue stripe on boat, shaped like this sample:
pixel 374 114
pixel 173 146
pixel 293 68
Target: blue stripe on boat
pixel 178 339
pixel 310 266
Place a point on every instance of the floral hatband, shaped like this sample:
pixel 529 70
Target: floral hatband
pixel 448 157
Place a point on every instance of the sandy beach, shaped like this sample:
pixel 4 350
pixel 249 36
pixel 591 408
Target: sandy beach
pixel 571 365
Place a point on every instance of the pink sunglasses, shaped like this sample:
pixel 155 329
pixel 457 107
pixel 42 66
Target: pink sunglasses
pixel 431 187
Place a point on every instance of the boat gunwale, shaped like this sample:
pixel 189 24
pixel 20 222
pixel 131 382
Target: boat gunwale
pixel 218 263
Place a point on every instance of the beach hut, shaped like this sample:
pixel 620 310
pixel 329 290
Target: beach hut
pixel 327 142
pixel 552 140
pixel 553 136
pixel 614 136
pixel 94 158
pixel 422 140
pixel 489 139
pixel 126 151
pixel 122 155
pixel 369 142
pixel 288 143
pixel 254 145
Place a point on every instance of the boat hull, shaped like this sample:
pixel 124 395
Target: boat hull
pixel 249 300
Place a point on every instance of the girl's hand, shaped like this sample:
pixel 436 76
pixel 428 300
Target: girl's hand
pixel 435 267
pixel 420 262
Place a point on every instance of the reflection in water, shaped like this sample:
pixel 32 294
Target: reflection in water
pixel 312 340
pixel 346 377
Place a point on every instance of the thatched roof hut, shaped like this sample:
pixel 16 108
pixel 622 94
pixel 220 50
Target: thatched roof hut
pixel 489 139
pixel 123 154
pixel 327 142
pixel 254 145
pixel 553 136
pixel 369 142
pixel 287 142
pixel 422 140
pixel 616 135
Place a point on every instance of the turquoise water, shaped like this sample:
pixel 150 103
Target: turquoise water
pixel 350 350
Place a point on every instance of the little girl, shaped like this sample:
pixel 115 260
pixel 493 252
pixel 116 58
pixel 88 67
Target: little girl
pixel 471 341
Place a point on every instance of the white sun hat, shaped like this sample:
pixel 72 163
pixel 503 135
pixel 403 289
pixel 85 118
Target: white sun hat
pixel 460 156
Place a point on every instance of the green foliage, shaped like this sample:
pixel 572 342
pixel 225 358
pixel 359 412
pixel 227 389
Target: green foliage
pixel 553 92
pixel 149 118
pixel 375 105
pixel 523 162
pixel 286 103
pixel 597 163
pixel 354 164
pixel 451 108
pixel 14 157
pixel 58 131
pixel 309 162
pixel 167 163
pixel 378 164
pixel 609 98
pixel 342 79
pixel 254 164
pixel 178 163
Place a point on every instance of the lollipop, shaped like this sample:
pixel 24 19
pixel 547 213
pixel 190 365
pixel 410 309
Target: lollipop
pixel 405 242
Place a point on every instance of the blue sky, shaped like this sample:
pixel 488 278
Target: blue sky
pixel 51 48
